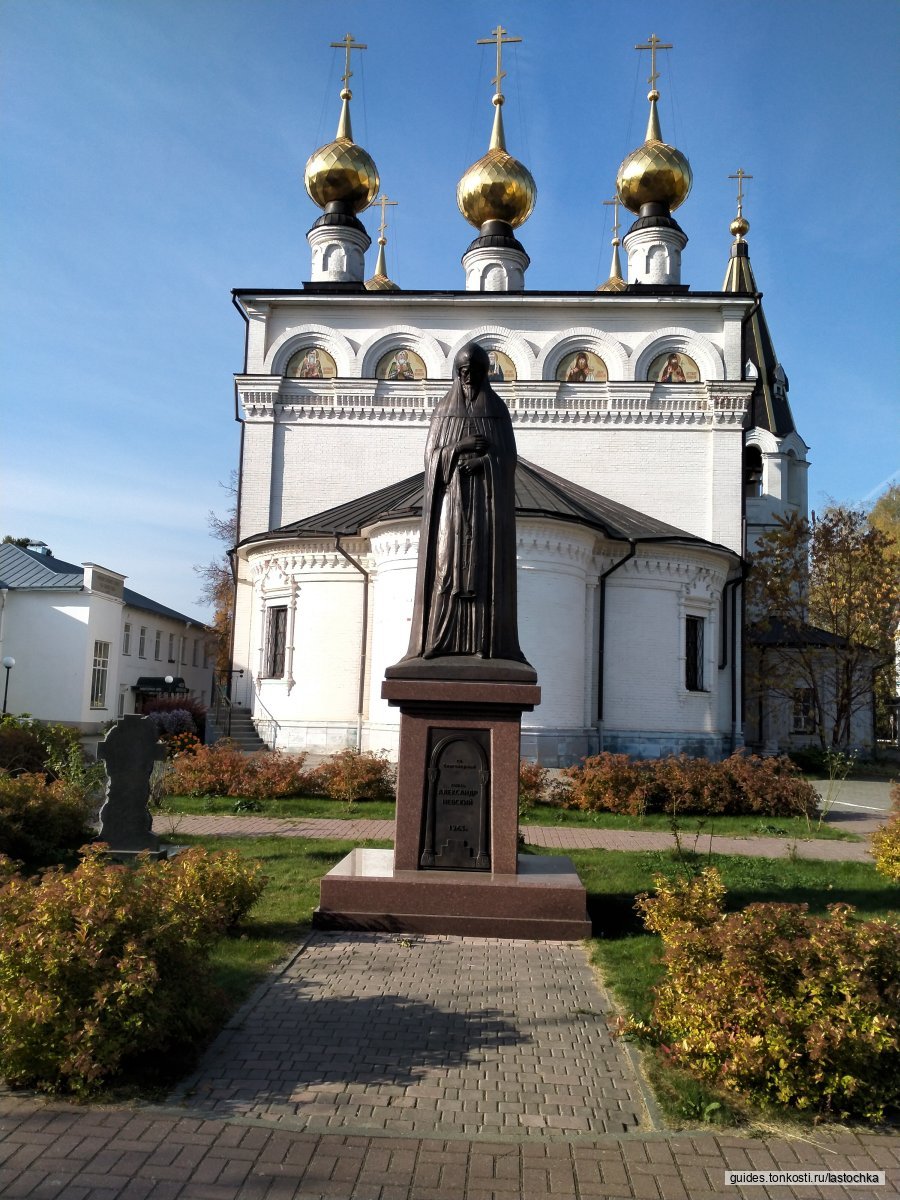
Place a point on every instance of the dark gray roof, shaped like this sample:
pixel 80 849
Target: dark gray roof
pixel 20 568
pixel 770 408
pixel 788 635
pixel 539 493
pixel 27 569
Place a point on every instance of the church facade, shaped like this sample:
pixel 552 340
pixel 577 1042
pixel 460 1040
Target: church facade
pixel 654 438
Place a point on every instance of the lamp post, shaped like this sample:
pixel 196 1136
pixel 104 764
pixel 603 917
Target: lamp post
pixel 169 680
pixel 9 663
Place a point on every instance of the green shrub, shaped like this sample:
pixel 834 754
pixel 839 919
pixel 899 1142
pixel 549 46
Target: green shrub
pixel 352 775
pixel 28 746
pixel 776 1005
pixel 42 820
pixel 741 785
pixel 223 770
pixel 886 841
pixel 104 966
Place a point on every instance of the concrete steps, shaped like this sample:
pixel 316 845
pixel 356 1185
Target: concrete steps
pixel 243 732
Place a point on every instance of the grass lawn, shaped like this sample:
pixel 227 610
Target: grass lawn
pixel 627 956
pixel 794 828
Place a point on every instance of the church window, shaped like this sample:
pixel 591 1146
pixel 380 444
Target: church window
pixel 693 648
pixel 99 674
pixel 142 642
pixel 276 640
pixel 126 638
pixel 157 646
pixel 804 711
pixel 753 472
pixel 171 647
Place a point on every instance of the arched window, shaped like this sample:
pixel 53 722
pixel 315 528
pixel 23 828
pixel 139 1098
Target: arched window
pixel 753 472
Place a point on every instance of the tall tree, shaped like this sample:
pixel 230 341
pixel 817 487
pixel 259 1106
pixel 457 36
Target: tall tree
pixel 827 606
pixel 217 578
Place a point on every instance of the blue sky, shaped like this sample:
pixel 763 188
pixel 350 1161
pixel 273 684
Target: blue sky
pixel 151 159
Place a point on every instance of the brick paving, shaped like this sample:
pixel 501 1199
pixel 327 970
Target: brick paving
pixel 426 1035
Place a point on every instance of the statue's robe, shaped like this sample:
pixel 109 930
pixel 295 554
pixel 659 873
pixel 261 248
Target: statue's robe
pixel 466 576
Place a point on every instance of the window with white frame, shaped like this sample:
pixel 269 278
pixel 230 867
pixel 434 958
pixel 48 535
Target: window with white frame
pixel 171 647
pixel 694 630
pixel 157 646
pixel 183 650
pixel 99 674
pixel 276 642
pixel 126 638
pixel 804 711
pixel 195 655
pixel 142 642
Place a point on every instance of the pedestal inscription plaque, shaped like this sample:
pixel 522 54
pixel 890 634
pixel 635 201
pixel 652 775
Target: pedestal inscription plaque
pixel 457 802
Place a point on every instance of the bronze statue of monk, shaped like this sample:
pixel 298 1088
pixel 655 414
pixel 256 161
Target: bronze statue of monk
pixel 465 604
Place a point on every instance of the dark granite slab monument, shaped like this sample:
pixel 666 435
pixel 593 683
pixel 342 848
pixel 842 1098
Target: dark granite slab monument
pixel 461 689
pixel 129 750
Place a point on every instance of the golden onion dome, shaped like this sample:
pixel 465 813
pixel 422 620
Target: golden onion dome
pixel 739 226
pixel 341 170
pixel 497 187
pixel 655 173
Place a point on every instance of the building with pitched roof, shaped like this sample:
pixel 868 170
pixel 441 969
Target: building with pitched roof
pixel 655 441
pixel 88 649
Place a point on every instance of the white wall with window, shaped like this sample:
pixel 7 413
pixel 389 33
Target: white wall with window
pixel 80 647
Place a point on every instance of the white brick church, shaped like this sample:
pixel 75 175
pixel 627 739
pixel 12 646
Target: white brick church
pixel 654 437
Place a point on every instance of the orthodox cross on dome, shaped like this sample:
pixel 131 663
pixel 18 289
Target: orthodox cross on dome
pixel 384 202
pixel 654 44
pixel 498 35
pixel 348 44
pixel 740 176
pixel 615 202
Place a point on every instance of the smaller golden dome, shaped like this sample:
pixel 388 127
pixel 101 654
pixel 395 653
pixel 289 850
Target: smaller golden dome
pixel 496 188
pixel 380 282
pixel 655 173
pixel 341 170
pixel 739 226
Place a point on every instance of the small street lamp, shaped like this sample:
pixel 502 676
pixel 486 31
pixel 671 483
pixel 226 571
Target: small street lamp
pixel 9 663
pixel 169 680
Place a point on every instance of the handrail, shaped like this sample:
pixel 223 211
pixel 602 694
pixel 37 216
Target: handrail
pixel 222 704
pixel 267 720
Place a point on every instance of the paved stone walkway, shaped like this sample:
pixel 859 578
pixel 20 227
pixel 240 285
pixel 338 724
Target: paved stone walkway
pixel 556 837
pixel 426 1035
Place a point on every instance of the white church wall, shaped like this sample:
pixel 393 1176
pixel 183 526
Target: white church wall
pixel 648 710
pixel 316 700
pixel 395 551
pixel 443 323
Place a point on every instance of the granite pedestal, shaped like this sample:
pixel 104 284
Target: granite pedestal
pixel 501 893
